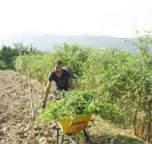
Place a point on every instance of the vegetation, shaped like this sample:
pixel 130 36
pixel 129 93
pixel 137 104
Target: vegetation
pixel 75 103
pixel 9 54
pixel 71 104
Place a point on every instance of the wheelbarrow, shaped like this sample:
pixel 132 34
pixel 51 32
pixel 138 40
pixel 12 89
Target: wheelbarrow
pixel 73 130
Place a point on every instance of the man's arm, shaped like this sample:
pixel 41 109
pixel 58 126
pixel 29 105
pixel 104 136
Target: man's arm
pixel 46 92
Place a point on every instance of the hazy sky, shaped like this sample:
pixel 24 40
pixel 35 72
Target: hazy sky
pixel 72 17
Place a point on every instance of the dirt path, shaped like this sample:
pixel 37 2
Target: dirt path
pixel 15 113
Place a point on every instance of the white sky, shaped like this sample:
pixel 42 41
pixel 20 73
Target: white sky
pixel 75 17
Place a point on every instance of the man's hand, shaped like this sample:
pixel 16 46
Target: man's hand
pixel 46 94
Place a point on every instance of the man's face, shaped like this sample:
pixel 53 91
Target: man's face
pixel 58 68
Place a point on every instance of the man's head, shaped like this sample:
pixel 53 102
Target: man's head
pixel 58 66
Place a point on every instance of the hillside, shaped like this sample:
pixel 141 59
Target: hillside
pixel 47 42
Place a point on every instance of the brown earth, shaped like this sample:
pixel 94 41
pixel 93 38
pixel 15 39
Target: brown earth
pixel 16 124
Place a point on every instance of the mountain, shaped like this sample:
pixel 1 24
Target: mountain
pixel 47 42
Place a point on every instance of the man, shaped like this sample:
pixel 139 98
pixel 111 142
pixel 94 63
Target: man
pixel 59 78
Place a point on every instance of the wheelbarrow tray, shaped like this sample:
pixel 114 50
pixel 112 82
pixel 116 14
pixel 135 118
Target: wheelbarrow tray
pixel 73 125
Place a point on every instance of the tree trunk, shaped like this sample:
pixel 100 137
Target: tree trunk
pixel 135 121
pixel 149 134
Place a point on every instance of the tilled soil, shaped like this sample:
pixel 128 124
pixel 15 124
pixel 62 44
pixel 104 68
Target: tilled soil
pixel 16 124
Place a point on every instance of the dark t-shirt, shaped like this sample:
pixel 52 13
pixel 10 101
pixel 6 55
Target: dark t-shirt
pixel 62 81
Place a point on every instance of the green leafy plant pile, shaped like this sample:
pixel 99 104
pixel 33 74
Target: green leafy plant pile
pixel 71 104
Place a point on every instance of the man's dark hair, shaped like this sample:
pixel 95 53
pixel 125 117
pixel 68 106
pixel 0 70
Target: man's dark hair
pixel 59 62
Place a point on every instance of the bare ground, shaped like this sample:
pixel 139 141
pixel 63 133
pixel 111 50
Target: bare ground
pixel 16 125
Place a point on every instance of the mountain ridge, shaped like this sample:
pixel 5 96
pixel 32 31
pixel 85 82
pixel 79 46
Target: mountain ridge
pixel 47 41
